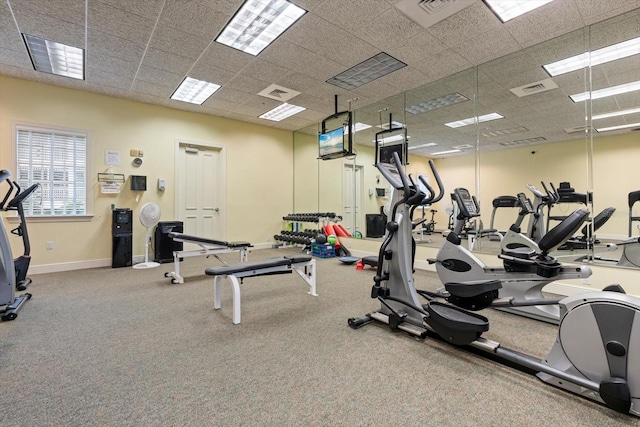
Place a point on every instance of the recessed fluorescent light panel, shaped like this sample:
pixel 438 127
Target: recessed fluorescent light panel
pixel 445 152
pixel 597 57
pixel 615 114
pixel 389 139
pixel 358 127
pixel 367 71
pixel 607 129
pixel 509 9
pixel 607 91
pixel 494 133
pixel 428 144
pixel 281 112
pixel 258 23
pixel 55 58
pixel 435 103
pixel 194 91
pixel 394 124
pixel 473 120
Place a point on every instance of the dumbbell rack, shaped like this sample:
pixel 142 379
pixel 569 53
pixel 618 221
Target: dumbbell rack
pixel 294 234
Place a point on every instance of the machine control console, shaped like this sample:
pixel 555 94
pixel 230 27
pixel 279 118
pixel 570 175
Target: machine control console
pixel 391 174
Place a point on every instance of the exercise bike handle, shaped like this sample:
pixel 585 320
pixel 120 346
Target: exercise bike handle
pixel 4 176
pixel 20 197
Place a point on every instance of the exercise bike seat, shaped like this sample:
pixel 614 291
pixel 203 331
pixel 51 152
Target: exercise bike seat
pixel 563 231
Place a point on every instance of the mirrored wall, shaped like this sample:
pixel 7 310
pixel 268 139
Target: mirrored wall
pixel 535 120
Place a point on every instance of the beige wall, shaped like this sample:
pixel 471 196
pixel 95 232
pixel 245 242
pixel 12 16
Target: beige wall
pixel 259 165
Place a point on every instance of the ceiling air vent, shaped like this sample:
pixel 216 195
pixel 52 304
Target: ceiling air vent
pixel 427 13
pixel 279 93
pixel 533 88
pixel 463 147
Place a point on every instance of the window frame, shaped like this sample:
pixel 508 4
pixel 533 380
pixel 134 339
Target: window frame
pixel 38 127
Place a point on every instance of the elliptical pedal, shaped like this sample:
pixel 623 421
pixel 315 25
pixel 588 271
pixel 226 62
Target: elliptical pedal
pixel 454 324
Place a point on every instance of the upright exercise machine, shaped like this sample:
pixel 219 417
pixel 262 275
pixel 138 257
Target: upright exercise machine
pixel 596 354
pixel 16 204
pixel 10 304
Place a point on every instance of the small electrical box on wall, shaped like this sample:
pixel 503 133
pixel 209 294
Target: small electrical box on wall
pixel 161 184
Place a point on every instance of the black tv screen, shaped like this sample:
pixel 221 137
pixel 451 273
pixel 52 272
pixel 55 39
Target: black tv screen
pixel 331 144
pixel 138 183
pixel 386 153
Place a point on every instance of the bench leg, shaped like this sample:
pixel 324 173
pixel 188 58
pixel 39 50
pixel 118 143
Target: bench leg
pixel 217 295
pixel 309 278
pixel 176 269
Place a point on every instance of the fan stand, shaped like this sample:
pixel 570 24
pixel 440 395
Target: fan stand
pixel 149 217
pixel 147 263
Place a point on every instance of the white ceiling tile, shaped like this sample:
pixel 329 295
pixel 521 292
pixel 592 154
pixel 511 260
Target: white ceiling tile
pixel 167 61
pixel 146 8
pixel 161 77
pixel 471 22
pixel 50 28
pixel 98 77
pixel 103 44
pixel 246 84
pixel 148 88
pixel 443 64
pixel 349 14
pixel 119 22
pixel 595 11
pixel 16 58
pixel 228 7
pixel 211 74
pixel 178 42
pixel 193 17
pixel 478 51
pixel 545 23
pixel 297 58
pixel 232 95
pixel 225 57
pixel 21 73
pixel 112 65
pixel 386 30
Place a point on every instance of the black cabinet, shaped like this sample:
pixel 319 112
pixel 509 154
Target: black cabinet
pixel 122 238
pixel 163 244
pixel 376 225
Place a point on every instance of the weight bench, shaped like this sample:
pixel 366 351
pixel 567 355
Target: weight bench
pixel 208 247
pixel 271 266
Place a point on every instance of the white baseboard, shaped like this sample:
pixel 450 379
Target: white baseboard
pixel 69 266
pixel 95 263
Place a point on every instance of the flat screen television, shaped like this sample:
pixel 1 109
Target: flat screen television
pixel 331 144
pixel 336 136
pixel 138 183
pixel 391 141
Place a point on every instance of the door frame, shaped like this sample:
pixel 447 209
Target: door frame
pixel 358 169
pixel 222 182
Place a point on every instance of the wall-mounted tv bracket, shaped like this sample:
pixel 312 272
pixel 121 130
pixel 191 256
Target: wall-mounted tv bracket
pixel 348 123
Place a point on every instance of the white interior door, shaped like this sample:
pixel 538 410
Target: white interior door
pixel 200 190
pixel 352 198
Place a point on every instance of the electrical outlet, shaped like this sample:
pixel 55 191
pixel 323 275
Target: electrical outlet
pixel 49 245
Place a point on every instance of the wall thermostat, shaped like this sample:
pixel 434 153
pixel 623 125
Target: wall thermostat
pixel 137 161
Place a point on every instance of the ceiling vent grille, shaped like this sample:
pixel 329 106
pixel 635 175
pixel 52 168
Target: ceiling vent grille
pixel 427 13
pixel 533 88
pixel 279 93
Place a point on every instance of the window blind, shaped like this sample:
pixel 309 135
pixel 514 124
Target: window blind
pixel 58 162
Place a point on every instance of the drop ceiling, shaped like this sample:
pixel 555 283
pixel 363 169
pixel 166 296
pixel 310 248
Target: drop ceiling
pixel 142 50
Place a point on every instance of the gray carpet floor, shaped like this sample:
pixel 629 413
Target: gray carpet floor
pixel 126 347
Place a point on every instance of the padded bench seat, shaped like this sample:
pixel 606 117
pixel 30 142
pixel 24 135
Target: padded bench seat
pixel 303 265
pixel 208 247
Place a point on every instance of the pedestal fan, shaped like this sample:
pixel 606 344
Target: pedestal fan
pixel 149 218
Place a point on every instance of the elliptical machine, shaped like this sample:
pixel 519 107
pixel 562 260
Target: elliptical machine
pixel 597 351
pixel 517 285
pixel 9 303
pixel 16 203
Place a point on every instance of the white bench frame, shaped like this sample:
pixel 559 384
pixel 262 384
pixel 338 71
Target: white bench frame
pixel 307 274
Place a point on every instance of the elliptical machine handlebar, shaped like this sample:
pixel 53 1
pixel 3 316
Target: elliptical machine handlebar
pixel 433 198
